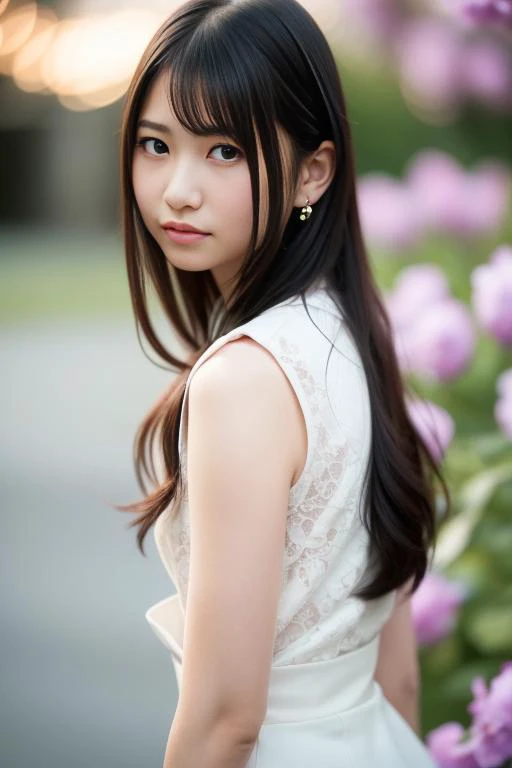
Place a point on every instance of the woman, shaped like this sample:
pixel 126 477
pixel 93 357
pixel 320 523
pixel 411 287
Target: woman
pixel 295 505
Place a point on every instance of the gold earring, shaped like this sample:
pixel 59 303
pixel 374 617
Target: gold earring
pixel 306 211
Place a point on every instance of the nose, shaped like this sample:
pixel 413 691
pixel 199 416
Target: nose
pixel 183 187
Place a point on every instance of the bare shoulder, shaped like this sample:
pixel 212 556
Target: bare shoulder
pixel 243 380
pixel 241 368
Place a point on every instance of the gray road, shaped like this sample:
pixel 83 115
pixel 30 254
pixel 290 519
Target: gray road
pixel 84 680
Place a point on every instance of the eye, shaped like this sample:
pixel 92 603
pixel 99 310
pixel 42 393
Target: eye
pixel 229 149
pixel 159 146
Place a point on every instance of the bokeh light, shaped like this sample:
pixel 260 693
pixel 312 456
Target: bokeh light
pixel 50 55
pixel 17 26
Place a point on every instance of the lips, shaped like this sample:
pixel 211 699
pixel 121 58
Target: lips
pixel 185 237
pixel 177 227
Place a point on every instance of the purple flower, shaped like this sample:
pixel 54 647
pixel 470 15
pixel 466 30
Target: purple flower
pixel 497 705
pixel 435 606
pixel 487 73
pixel 503 407
pixel 489 740
pixel 389 218
pixel 430 61
pixel 448 749
pixel 416 288
pixel 433 332
pixel 456 202
pixel 492 294
pixel 440 345
pixel 492 718
pixel 487 195
pixel 434 424
pixel 490 11
pixel 436 182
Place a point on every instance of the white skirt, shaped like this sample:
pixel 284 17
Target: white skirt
pixel 325 714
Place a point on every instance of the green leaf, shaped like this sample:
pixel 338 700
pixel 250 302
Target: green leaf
pixel 472 500
pixel 490 629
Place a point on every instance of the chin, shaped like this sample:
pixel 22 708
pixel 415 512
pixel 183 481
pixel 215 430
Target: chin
pixel 189 264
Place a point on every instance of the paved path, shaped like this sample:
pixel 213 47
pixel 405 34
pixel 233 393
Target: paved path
pixel 84 680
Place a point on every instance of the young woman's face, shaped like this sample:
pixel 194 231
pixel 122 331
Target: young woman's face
pixel 203 182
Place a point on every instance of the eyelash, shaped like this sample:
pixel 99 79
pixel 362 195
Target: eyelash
pixel 142 142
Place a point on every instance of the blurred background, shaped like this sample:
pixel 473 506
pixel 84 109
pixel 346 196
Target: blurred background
pixel 429 90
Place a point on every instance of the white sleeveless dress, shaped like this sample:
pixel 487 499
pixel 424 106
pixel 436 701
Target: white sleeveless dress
pixel 324 708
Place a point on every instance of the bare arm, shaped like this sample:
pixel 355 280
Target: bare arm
pixel 397 667
pixel 243 433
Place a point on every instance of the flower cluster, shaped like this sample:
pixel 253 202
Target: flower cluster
pixel 435 606
pixel 437 196
pixel 446 55
pixel 492 294
pixel 435 335
pixel 488 741
pixel 434 425
pixel 434 332
pixel 455 68
pixel 490 12
pixel 457 65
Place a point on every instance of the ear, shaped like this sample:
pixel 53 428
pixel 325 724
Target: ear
pixel 316 174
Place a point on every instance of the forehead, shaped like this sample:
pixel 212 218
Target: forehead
pixel 156 104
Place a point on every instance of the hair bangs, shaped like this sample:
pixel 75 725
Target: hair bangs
pixel 205 92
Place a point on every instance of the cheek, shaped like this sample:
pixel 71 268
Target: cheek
pixel 142 190
pixel 237 203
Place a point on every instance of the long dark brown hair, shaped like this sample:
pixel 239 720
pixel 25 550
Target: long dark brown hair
pixel 249 69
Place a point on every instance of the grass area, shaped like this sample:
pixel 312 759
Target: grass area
pixel 51 274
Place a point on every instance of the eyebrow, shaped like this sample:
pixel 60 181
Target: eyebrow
pixel 211 130
pixel 154 126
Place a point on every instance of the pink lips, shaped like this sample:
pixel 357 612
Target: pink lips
pixel 181 232
pixel 184 236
